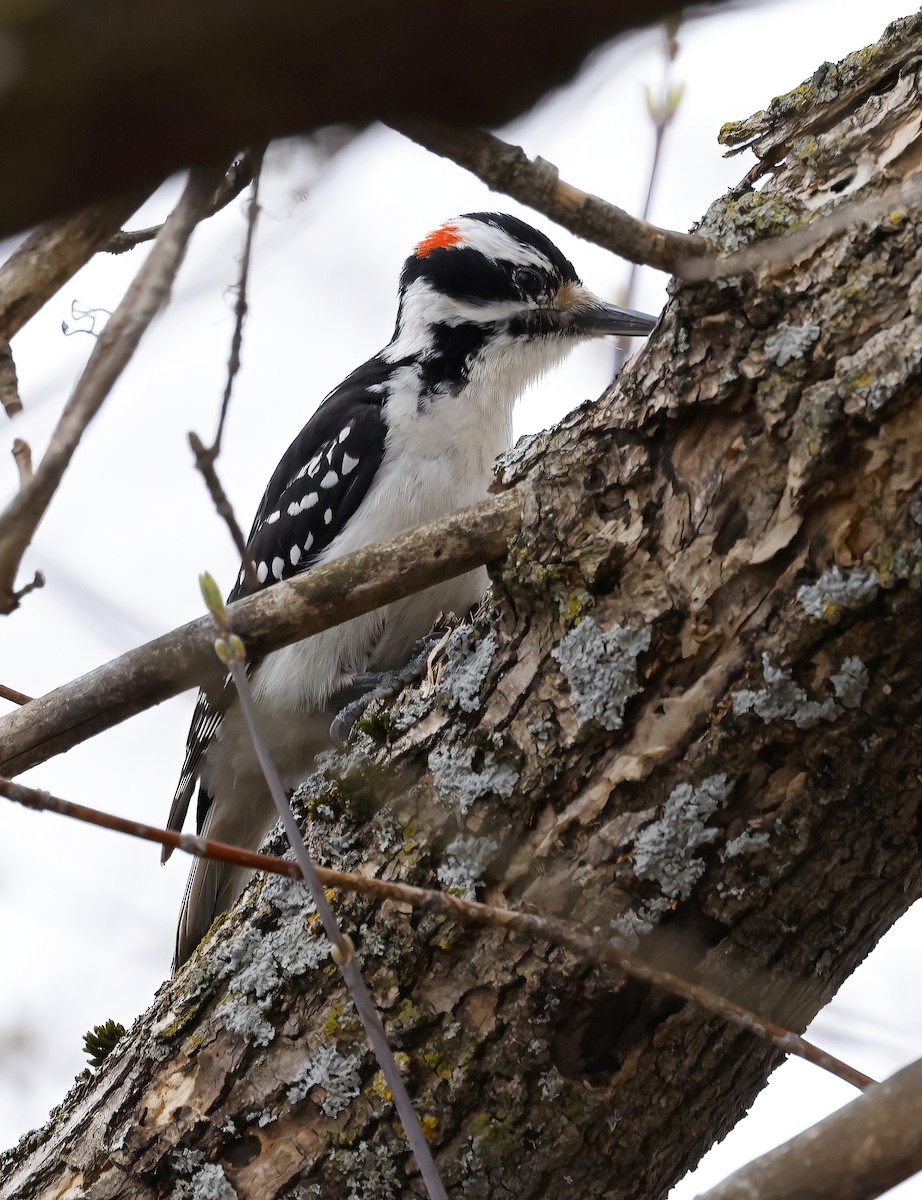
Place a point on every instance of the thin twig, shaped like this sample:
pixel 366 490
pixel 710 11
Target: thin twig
pixel 54 252
pixel 205 457
pixel 662 112
pixel 276 616
pixel 37 581
pixel 9 383
pixel 204 460
pixel 113 349
pixel 8 693
pixel 506 168
pixel 586 944
pixel 237 177
pixel 240 307
pixel 22 452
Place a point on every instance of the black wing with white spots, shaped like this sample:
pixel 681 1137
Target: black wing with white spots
pixel 321 480
pixel 316 488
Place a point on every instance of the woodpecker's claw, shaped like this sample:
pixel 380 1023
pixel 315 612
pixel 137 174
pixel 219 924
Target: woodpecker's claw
pixel 378 685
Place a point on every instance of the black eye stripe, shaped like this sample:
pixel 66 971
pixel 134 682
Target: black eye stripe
pixel 463 273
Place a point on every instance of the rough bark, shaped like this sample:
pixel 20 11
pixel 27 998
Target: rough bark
pixel 691 716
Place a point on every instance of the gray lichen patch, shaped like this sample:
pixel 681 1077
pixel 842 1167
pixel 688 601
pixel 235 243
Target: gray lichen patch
pixel 746 842
pixel 458 784
pixel 836 588
pixel 783 699
pixel 850 682
pixel 254 965
pixel 666 850
pixel 368 1170
pixel 208 1183
pixel 463 867
pixel 788 342
pixel 336 1073
pixel 600 667
pixel 467 661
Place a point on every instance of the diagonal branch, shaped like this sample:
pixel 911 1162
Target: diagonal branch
pixel 856 1153
pixel 585 943
pixel 113 349
pixel 535 182
pixel 284 613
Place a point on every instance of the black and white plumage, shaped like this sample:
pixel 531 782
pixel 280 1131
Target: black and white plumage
pixel 486 303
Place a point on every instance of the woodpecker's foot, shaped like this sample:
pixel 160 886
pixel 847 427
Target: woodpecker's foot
pixel 378 685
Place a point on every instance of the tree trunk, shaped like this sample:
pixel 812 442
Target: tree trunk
pixel 690 717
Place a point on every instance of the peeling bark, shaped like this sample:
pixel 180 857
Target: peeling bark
pixel 690 716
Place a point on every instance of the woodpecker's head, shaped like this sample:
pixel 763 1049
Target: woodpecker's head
pixel 485 297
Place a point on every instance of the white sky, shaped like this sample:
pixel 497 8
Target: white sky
pixel 87 918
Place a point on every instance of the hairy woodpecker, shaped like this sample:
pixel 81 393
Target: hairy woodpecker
pixel 486 303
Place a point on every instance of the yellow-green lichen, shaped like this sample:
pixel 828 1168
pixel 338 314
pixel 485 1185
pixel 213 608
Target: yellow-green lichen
pixel 408 1014
pixel 320 805
pixel 378 1086
pixel 340 1018
pixel 439 1063
pixel 573 607
pixel 379 726
pixel 523 569
pixel 496 1133
pixel 766 214
pixel 860 379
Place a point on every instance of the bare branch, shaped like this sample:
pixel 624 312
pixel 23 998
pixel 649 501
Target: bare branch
pixel 583 942
pixel 52 254
pixel 8 693
pixel 9 383
pixel 237 177
pixel 277 616
pixel 22 452
pixel 859 1152
pixel 506 168
pixel 37 581
pixel 114 347
pixel 691 257
pixel 205 458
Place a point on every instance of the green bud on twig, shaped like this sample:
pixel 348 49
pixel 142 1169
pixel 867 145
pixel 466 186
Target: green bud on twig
pixel 343 954
pixel 230 649
pixel 213 599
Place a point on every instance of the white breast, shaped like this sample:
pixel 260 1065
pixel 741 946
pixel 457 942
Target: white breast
pixel 436 461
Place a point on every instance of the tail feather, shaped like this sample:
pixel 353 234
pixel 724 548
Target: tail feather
pixel 212 889
pixel 214 886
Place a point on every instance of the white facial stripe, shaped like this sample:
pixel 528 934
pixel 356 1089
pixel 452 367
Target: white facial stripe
pixel 497 244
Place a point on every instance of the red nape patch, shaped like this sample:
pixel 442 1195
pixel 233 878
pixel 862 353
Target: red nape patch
pixel 445 235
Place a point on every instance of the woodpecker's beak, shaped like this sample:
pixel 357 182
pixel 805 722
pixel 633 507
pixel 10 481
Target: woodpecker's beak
pixel 585 312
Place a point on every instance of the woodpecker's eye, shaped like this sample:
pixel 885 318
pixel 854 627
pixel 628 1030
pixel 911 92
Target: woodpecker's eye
pixel 528 280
